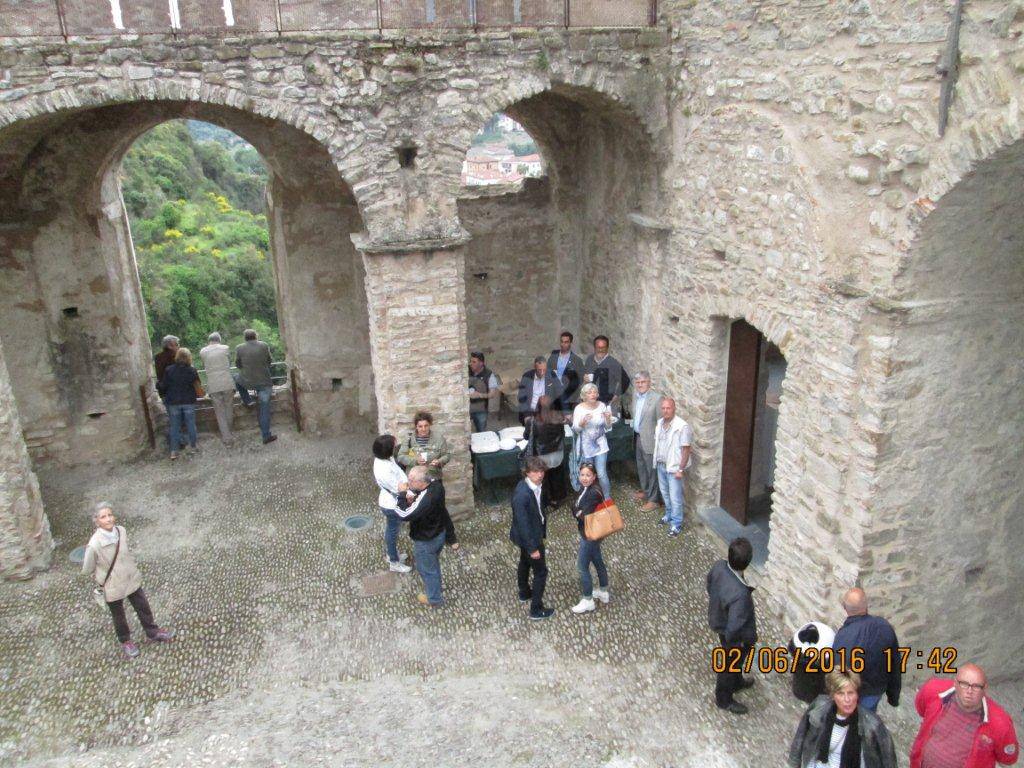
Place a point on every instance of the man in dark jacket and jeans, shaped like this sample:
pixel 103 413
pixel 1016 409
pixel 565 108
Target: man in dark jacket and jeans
pixel 873 635
pixel 430 528
pixel 529 529
pixel 731 616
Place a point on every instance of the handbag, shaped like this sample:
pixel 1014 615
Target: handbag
pixel 603 521
pixel 98 594
pixel 526 451
pixel 200 392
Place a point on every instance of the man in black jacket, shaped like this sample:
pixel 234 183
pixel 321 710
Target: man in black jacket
pixel 529 529
pixel 567 367
pixel 731 616
pixel 536 383
pixel 430 528
pixel 873 635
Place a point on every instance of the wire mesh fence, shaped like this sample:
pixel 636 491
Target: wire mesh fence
pixel 53 18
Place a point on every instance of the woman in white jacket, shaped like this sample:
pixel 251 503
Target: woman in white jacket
pixel 111 565
pixel 592 420
pixel 392 481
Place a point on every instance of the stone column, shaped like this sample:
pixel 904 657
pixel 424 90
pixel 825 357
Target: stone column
pixel 416 298
pixel 25 543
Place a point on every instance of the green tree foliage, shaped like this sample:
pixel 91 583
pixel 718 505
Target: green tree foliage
pixel 201 239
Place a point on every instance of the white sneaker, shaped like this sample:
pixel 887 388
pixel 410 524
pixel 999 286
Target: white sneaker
pixel 585 605
pixel 602 595
pixel 399 567
pixel 401 558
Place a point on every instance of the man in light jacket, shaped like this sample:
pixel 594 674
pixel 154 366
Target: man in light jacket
pixel 672 456
pixel 646 412
pixel 253 362
pixel 220 386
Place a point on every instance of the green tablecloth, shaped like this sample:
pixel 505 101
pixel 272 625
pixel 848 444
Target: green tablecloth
pixel 501 464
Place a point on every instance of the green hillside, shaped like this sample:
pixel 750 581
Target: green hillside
pixel 201 240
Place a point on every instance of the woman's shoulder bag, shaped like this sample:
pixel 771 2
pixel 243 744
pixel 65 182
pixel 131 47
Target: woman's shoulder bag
pixel 98 594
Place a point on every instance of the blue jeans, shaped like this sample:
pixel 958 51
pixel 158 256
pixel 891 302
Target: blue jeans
pixel 243 391
pixel 393 523
pixel 672 493
pixel 870 702
pixel 479 420
pixel 428 565
pixel 178 416
pixel 601 465
pixel 263 409
pixel 590 552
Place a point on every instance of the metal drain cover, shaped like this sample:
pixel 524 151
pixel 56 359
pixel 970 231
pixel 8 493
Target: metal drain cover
pixel 357 522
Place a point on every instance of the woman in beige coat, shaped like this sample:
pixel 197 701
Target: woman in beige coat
pixel 110 563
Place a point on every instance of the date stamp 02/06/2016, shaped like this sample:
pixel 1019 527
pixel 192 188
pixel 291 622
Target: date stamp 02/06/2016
pixel 779 660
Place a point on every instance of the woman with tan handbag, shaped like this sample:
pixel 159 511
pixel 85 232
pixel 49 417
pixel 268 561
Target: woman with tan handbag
pixel 590 551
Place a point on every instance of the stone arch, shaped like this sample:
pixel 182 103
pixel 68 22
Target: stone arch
pixel 949 488
pixel 56 195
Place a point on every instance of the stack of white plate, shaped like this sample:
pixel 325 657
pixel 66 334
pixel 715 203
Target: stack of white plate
pixel 507 443
pixel 484 442
pixel 516 433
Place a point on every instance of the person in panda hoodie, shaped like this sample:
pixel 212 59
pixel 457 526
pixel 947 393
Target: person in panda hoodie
pixel 808 679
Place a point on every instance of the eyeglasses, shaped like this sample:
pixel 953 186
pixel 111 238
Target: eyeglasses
pixel 973 687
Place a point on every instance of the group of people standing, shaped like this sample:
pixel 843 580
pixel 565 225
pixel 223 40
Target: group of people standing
pixel 180 388
pixel 961 727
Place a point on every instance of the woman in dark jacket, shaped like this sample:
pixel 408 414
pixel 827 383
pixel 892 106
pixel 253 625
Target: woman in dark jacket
pixel 835 728
pixel 590 551
pixel 545 432
pixel 178 390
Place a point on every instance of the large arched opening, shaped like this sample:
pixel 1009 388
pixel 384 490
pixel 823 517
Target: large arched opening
pixel 568 245
pixel 71 309
pixel 945 540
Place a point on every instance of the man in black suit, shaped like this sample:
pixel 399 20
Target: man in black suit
pixel 567 367
pixel 731 616
pixel 536 383
pixel 529 529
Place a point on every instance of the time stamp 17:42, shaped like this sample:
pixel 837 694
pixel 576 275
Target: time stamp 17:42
pixel 940 660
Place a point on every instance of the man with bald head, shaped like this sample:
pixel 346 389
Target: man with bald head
pixel 960 726
pixel 873 636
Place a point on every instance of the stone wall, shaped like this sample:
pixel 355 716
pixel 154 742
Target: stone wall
pixel 25 542
pixel 512 289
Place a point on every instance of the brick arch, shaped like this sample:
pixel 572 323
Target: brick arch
pixel 349 164
pixel 588 88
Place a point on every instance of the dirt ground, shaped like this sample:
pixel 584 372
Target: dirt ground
pixel 282 659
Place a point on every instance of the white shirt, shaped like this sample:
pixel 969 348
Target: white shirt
pixel 538 392
pixel 536 495
pixel 669 441
pixel 389 476
pixel 595 440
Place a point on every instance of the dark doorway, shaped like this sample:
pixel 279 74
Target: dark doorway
pixel 753 393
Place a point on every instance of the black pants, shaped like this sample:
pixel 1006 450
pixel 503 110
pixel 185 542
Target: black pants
pixel 540 577
pixel 727 683
pixel 142 610
pixel 556 483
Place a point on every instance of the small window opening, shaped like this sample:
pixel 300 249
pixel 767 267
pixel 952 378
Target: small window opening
pixel 70 311
pixel 480 275
pixel 407 156
pixel 335 385
pixel 96 414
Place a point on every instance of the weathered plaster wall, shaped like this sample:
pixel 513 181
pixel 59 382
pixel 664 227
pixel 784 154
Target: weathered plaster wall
pixel 513 313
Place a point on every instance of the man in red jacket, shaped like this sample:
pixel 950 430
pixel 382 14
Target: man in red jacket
pixel 961 727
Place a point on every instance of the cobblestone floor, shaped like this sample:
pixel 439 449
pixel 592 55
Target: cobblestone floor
pixel 278 661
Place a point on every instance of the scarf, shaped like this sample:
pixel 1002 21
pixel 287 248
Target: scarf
pixel 850 755
pixel 108 537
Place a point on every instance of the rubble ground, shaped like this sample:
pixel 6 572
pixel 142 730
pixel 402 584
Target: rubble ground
pixel 280 660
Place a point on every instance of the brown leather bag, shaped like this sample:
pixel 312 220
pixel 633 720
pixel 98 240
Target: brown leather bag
pixel 200 392
pixel 603 521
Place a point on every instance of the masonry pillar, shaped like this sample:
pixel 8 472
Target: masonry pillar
pixel 416 299
pixel 25 543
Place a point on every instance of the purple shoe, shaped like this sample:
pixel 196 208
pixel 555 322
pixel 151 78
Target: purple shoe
pixel 131 650
pixel 161 636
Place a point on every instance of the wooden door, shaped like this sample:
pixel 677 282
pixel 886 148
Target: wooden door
pixel 740 409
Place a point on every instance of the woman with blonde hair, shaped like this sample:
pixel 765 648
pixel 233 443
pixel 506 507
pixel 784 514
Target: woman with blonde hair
pixel 178 389
pixel 592 420
pixel 835 733
pixel 111 565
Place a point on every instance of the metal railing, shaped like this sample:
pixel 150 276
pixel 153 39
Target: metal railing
pixel 89 18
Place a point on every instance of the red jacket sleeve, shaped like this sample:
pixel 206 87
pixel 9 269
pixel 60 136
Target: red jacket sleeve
pixel 1006 748
pixel 929 693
